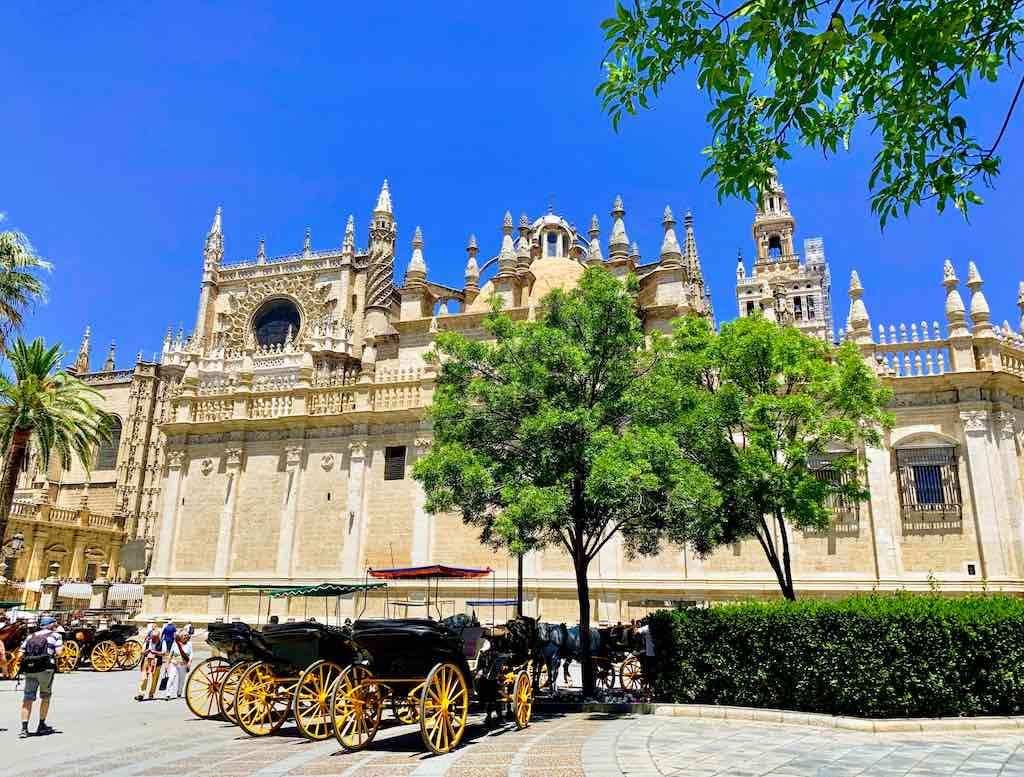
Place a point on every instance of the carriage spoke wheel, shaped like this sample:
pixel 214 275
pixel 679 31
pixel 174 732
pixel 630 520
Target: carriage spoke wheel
pixel 631 674
pixel 407 708
pixel 129 654
pixel 522 699
pixel 13 664
pixel 68 658
pixel 444 707
pixel 356 706
pixel 229 690
pixel 313 699
pixel 103 656
pixel 262 700
pixel 202 689
pixel 604 672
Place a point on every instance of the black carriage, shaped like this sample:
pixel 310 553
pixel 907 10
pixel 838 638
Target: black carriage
pixel 421 668
pixel 102 647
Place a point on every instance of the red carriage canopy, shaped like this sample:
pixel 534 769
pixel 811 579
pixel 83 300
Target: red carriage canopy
pixel 435 571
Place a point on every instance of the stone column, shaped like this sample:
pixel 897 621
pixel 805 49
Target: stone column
pixel 77 571
pixel 286 538
pixel 100 589
pixel 354 513
pixel 883 510
pixel 115 560
pixel 168 514
pixel 1005 433
pixel 35 569
pixel 49 588
pixel 233 470
pixel 986 486
pixel 422 529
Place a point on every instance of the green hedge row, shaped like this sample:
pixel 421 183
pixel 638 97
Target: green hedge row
pixel 874 656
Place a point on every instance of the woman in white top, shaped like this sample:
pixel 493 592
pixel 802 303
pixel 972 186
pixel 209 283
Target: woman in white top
pixel 180 656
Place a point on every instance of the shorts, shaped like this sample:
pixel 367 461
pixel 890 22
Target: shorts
pixel 38 681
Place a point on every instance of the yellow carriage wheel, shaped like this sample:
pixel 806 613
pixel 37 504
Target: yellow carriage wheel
pixel 263 700
pixel 356 706
pixel 129 654
pixel 444 707
pixel 229 690
pixel 631 674
pixel 407 708
pixel 313 699
pixel 604 672
pixel 14 663
pixel 103 656
pixel 202 689
pixel 68 658
pixel 522 699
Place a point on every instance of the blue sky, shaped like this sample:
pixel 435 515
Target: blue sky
pixel 127 124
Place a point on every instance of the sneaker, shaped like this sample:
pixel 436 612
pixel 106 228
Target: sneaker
pixel 23 734
pixel 43 730
pixel 139 697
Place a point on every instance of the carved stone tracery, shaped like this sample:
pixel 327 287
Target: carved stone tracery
pixel 310 297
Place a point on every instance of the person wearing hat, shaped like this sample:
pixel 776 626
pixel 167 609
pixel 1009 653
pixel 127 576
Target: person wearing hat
pixel 39 652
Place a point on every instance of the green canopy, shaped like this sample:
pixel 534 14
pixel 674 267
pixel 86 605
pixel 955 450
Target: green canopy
pixel 8 604
pixel 257 587
pixel 328 589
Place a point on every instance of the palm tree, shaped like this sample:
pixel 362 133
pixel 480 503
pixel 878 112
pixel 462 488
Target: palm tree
pixel 51 409
pixel 20 288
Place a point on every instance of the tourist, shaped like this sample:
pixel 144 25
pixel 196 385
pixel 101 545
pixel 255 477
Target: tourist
pixel 177 661
pixel 647 657
pixel 38 653
pixel 151 659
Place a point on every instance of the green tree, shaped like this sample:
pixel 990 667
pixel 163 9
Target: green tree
pixel 50 409
pixel 753 406
pixel 783 71
pixel 20 286
pixel 535 440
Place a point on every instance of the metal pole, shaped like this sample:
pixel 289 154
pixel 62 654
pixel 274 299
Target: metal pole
pixel 519 587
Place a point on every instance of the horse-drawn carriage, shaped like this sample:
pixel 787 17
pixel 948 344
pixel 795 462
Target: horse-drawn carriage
pixel 104 647
pixel 614 654
pixel 12 635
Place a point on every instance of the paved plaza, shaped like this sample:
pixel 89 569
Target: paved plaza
pixel 103 732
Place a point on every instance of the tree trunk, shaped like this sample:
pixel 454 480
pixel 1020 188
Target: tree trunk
pixel 787 564
pixel 583 594
pixel 12 466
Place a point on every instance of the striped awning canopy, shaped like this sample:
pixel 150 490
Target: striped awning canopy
pixel 429 571
pixel 327 589
pixel 491 603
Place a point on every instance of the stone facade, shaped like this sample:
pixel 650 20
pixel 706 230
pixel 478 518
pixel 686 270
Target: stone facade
pixel 275 444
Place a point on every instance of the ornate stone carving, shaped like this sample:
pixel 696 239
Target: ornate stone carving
pixel 233 457
pixel 304 290
pixel 975 421
pixel 293 455
pixel 175 459
pixel 207 466
pixel 1006 424
pixel 357 449
pixel 327 462
pixel 422 445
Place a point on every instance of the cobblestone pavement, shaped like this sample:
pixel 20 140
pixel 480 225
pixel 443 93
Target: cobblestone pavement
pixel 103 732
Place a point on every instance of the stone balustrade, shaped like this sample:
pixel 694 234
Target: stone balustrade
pixel 42 513
pixel 911 352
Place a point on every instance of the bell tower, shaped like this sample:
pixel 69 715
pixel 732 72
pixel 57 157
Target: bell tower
pixel 774 226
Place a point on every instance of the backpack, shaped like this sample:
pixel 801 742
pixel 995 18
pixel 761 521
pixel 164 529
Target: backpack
pixel 36 656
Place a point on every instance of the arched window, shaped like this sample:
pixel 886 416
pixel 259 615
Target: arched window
pixel 774 246
pixel 106 454
pixel 274 322
pixel 552 244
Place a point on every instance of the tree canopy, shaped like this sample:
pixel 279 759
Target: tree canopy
pixel 536 440
pixel 779 72
pixel 20 286
pixel 755 407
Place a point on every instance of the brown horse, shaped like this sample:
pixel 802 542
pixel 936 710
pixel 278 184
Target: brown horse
pixel 12 635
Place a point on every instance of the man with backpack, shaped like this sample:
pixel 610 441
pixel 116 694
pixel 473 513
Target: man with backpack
pixel 38 654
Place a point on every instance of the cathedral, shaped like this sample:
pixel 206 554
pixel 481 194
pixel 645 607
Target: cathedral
pixel 274 443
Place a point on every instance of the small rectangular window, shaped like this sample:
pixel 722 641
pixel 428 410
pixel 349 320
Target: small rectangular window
pixel 750 308
pixel 929 482
pixel 810 308
pixel 798 308
pixel 394 462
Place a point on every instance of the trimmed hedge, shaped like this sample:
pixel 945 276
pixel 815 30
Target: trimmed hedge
pixel 875 655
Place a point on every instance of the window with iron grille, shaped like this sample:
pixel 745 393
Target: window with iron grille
pixel 394 462
pixel 845 511
pixel 929 480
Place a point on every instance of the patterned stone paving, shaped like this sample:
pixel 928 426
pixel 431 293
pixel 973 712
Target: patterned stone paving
pixel 104 732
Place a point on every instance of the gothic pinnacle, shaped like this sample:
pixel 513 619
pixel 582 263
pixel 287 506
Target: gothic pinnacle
pixel 523 249
pixel 417 267
pixel 691 259
pixel 81 364
pixel 261 252
pixel 594 250
pixel 671 256
pixel 472 271
pixel 507 255
pixel 618 243
pixel 383 199
pixel 980 312
pixel 307 243
pixel 108 365
pixel 213 250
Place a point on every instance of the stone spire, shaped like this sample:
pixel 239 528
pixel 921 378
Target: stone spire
pixel 671 256
pixel 348 243
pixel 691 259
pixel 108 365
pixel 955 312
pixel 507 255
pixel 307 243
pixel 383 199
pixel 980 313
pixel 261 252
pixel 417 271
pixel 213 251
pixel 858 325
pixel 618 244
pixel 523 250
pixel 594 257
pixel 634 252
pixel 472 270
pixel 741 270
pixel 81 365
